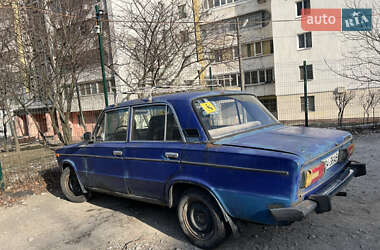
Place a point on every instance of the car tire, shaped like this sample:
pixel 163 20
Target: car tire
pixel 201 219
pixel 71 188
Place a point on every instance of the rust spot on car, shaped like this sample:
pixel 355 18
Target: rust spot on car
pixel 211 145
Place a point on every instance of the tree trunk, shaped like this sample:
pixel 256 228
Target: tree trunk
pixel 82 121
pixel 14 134
pixel 373 118
pixel 5 143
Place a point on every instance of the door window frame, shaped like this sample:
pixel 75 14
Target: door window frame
pixel 103 116
pixel 167 105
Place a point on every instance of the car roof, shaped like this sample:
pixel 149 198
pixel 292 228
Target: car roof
pixel 184 96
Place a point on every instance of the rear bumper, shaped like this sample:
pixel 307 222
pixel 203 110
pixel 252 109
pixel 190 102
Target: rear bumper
pixel 321 202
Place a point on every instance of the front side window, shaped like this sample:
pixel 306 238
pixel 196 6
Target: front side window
pixel 116 125
pixel 154 123
pixel 112 126
pixel 231 114
pixel 99 130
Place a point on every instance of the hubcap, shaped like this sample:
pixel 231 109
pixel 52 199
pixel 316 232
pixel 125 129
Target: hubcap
pixel 199 218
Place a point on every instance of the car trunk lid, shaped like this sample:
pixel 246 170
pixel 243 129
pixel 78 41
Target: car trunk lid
pixel 308 143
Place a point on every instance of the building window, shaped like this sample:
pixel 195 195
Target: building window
pixel 93 88
pixel 182 11
pixel 252 20
pixel 257 48
pixel 226 54
pixel 304 4
pixel 227 80
pixel 269 75
pixel 309 69
pixel 207 4
pixel 310 104
pixel 184 36
pixel 305 40
pixel 259 76
pixel 256 19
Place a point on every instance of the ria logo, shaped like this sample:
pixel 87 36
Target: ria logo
pixel 356 19
pixel 336 19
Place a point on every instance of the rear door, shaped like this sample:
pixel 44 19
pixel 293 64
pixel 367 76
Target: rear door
pixel 154 150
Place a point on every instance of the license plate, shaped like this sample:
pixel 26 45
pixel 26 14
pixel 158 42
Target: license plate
pixel 331 160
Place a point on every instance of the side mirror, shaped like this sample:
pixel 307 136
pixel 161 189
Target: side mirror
pixel 87 136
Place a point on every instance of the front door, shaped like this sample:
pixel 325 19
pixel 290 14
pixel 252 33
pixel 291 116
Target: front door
pixel 154 150
pixel 106 162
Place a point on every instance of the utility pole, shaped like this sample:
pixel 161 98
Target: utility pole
pixel 305 94
pixel 100 39
pixel 210 74
pixel 242 85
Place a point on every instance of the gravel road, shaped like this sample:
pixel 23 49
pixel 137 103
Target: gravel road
pixel 48 221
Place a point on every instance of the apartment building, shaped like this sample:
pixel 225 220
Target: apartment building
pixel 273 48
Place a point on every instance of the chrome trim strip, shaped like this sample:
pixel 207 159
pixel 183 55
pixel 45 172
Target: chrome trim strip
pixel 150 159
pixel 122 158
pixel 328 152
pixel 237 168
pixel 280 172
pixel 94 156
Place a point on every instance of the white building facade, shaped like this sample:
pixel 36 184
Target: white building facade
pixel 274 70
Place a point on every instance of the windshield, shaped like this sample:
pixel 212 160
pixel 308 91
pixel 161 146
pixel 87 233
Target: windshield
pixel 231 114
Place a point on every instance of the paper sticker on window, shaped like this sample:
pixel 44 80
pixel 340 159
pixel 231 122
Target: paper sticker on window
pixel 208 107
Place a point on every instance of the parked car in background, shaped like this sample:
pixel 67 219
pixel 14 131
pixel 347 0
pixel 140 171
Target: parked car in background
pixel 215 156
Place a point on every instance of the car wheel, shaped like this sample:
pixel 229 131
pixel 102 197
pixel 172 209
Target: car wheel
pixel 201 219
pixel 71 188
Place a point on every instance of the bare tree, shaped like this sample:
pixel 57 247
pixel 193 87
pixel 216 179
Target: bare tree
pixel 58 48
pixel 157 41
pixel 362 60
pixel 375 100
pixel 342 99
pixel 366 102
pixel 8 56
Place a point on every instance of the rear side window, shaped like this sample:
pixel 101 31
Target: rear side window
pixel 154 123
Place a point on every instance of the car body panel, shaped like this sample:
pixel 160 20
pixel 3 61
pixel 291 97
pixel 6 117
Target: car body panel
pixel 148 168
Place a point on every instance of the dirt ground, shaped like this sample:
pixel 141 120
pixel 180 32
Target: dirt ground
pixel 48 221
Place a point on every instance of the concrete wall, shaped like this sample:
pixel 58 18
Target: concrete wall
pixel 289 106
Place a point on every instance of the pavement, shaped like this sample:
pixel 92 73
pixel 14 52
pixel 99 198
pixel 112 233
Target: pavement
pixel 48 221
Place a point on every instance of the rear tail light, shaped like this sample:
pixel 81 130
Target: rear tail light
pixel 350 149
pixel 312 175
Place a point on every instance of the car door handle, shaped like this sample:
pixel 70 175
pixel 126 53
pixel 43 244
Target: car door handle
pixel 171 155
pixel 117 153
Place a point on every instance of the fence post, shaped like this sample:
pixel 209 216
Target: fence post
pixel 1 179
pixel 305 94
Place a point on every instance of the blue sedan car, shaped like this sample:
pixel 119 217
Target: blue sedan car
pixel 215 156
